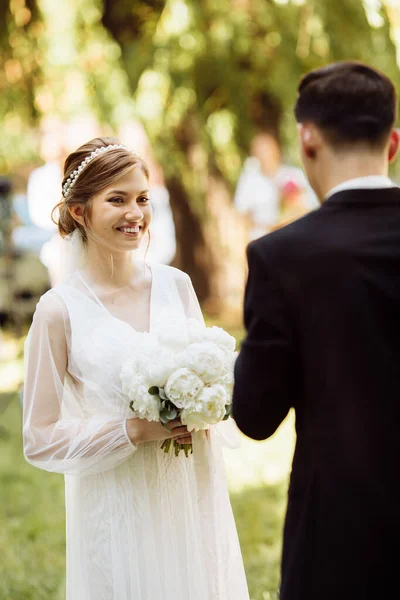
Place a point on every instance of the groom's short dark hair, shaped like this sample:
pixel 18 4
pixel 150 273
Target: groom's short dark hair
pixel 349 101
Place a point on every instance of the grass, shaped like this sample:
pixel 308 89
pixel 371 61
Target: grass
pixel 31 520
pixel 258 513
pixel 257 477
pixel 32 539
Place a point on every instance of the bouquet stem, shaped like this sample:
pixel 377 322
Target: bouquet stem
pixel 166 446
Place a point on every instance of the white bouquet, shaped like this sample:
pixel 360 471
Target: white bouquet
pixel 185 371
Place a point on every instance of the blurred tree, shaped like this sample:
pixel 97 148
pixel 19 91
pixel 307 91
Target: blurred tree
pixel 205 74
pixel 21 28
pixel 202 76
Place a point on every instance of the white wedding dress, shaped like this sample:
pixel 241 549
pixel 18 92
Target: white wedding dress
pixel 141 524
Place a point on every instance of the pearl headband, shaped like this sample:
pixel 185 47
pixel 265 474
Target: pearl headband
pixel 75 174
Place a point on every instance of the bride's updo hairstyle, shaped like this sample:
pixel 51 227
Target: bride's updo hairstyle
pixel 88 171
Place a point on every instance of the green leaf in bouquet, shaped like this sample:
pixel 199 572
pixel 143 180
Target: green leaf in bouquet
pixel 168 413
pixel 164 417
pixel 131 405
pixel 153 390
pixel 172 413
pixel 228 409
pixel 162 394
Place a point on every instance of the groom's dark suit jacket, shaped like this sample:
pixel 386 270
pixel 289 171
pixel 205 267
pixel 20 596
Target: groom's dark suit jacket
pixel 322 313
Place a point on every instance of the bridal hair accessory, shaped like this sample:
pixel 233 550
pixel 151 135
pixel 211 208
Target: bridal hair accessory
pixel 75 174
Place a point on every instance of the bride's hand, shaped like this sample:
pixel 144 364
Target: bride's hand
pixel 141 430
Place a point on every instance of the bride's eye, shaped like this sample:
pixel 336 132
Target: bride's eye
pixel 143 199
pixel 116 200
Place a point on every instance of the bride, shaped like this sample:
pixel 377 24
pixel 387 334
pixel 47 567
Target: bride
pixel 141 524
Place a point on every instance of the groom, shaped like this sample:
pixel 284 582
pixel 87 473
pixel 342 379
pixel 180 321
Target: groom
pixel 322 314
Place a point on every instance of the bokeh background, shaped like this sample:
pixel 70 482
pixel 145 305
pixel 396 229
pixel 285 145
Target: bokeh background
pixel 204 90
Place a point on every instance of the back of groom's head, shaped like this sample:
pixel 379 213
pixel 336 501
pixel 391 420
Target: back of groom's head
pixel 350 102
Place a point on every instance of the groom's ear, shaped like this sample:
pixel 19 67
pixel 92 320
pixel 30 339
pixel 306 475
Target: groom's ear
pixel 76 212
pixel 393 144
pixel 310 139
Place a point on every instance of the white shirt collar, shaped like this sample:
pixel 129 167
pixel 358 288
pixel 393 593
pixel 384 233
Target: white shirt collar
pixel 362 183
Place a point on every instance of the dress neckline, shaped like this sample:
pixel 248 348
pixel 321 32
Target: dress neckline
pixel 107 311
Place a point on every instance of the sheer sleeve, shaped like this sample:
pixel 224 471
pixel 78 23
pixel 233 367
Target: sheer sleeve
pixel 189 299
pixel 227 430
pixel 57 438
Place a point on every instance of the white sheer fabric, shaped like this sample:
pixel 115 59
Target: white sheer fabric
pixel 141 525
pixel 72 255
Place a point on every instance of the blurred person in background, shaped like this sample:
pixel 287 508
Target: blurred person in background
pixel 269 191
pixel 43 193
pixel 26 235
pixel 322 315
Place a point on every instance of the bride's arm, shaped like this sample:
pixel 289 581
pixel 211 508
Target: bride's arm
pixel 51 440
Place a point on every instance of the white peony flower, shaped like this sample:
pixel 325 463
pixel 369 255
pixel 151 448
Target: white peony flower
pixel 158 366
pixel 180 360
pixel 182 387
pixel 192 362
pixel 209 408
pixel 174 335
pixel 205 359
pixel 227 381
pixel 221 338
pixel 145 406
pixel 197 331
pixel 227 378
pixel 141 352
pixel 127 374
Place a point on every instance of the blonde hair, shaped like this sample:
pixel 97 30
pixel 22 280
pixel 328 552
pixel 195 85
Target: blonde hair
pixel 95 177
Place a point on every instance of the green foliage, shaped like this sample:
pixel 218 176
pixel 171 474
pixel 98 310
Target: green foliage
pixel 259 516
pixel 202 77
pixel 32 523
pixel 215 74
pixel 21 51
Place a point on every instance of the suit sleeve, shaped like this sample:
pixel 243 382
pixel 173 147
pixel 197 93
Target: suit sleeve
pixel 265 373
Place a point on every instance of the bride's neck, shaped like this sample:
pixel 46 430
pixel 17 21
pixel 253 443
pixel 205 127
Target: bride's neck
pixel 111 270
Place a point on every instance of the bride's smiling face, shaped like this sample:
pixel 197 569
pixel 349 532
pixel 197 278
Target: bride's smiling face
pixel 120 215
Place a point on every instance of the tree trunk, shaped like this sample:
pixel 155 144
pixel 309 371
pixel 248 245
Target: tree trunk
pixel 211 250
pixel 193 255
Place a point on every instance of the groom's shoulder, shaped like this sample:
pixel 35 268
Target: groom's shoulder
pixel 289 238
